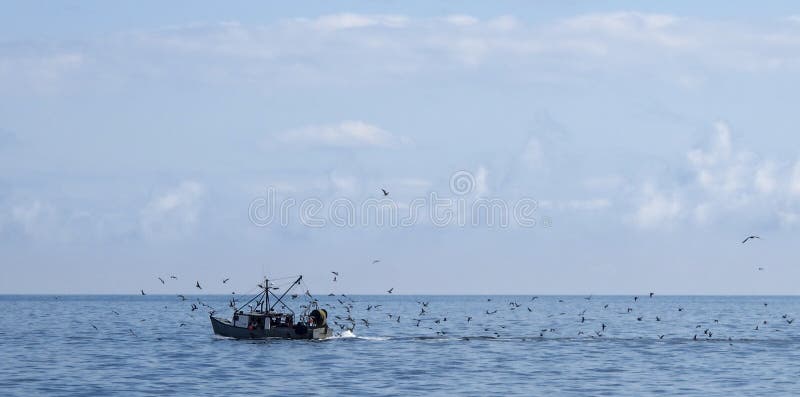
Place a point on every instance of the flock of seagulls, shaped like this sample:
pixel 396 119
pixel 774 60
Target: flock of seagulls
pixel 349 320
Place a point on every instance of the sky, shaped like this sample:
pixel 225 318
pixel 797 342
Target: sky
pixel 146 139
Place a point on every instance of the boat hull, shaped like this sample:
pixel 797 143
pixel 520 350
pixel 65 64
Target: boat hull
pixel 225 328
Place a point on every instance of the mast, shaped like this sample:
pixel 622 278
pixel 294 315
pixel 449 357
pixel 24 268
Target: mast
pixel 266 294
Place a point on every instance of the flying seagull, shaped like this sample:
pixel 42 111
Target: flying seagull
pixel 225 281
pixel 161 279
pixel 749 238
pixel 173 277
pixel 374 261
pixel 143 292
pixel 385 193
pixel 335 273
pixel 390 290
pixel 197 284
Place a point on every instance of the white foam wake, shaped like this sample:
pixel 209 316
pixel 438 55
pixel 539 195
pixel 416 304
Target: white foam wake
pixel 347 334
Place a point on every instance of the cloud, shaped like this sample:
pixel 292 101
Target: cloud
pixel 593 204
pixel 727 182
pixel 628 25
pixel 481 181
pixel 354 21
pixel 460 20
pixel 765 182
pixel 794 179
pixel 174 213
pixel 36 218
pixel 533 154
pixel 720 171
pixel 42 71
pixel 343 134
pixel 503 23
pixel 656 209
pixel 333 49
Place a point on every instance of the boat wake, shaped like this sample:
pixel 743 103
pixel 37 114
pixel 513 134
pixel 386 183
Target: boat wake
pixel 347 334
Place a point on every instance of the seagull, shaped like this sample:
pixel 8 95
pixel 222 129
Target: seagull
pixel 374 261
pixel 225 281
pixel 749 238
pixel 197 284
pixel 390 290
pixel 161 279
pixel 335 273
pixel 385 193
pixel 651 294
pixel 95 328
pixel 661 337
pixel 143 292
pixel 760 268
pixel 173 277
pixel 194 307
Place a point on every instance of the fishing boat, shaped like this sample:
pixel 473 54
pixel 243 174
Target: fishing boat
pixel 261 320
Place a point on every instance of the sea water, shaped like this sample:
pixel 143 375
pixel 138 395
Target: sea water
pixel 460 345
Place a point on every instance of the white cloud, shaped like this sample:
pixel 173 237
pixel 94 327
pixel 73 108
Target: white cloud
pixel 794 182
pixel 656 208
pixel 606 182
pixel 593 204
pixel 460 20
pixel 720 149
pixel 174 213
pixel 588 205
pixel 354 21
pixel 34 217
pixel 765 181
pixel 503 23
pixel 533 154
pixel 481 181
pixel 344 134
pixel 729 182
pixel 344 186
pixel 333 49
pixel 720 170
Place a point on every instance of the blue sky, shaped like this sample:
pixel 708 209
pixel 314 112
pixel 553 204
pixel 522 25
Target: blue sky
pixel 135 135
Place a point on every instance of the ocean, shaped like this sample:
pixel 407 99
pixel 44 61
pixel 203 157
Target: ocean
pixel 461 345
